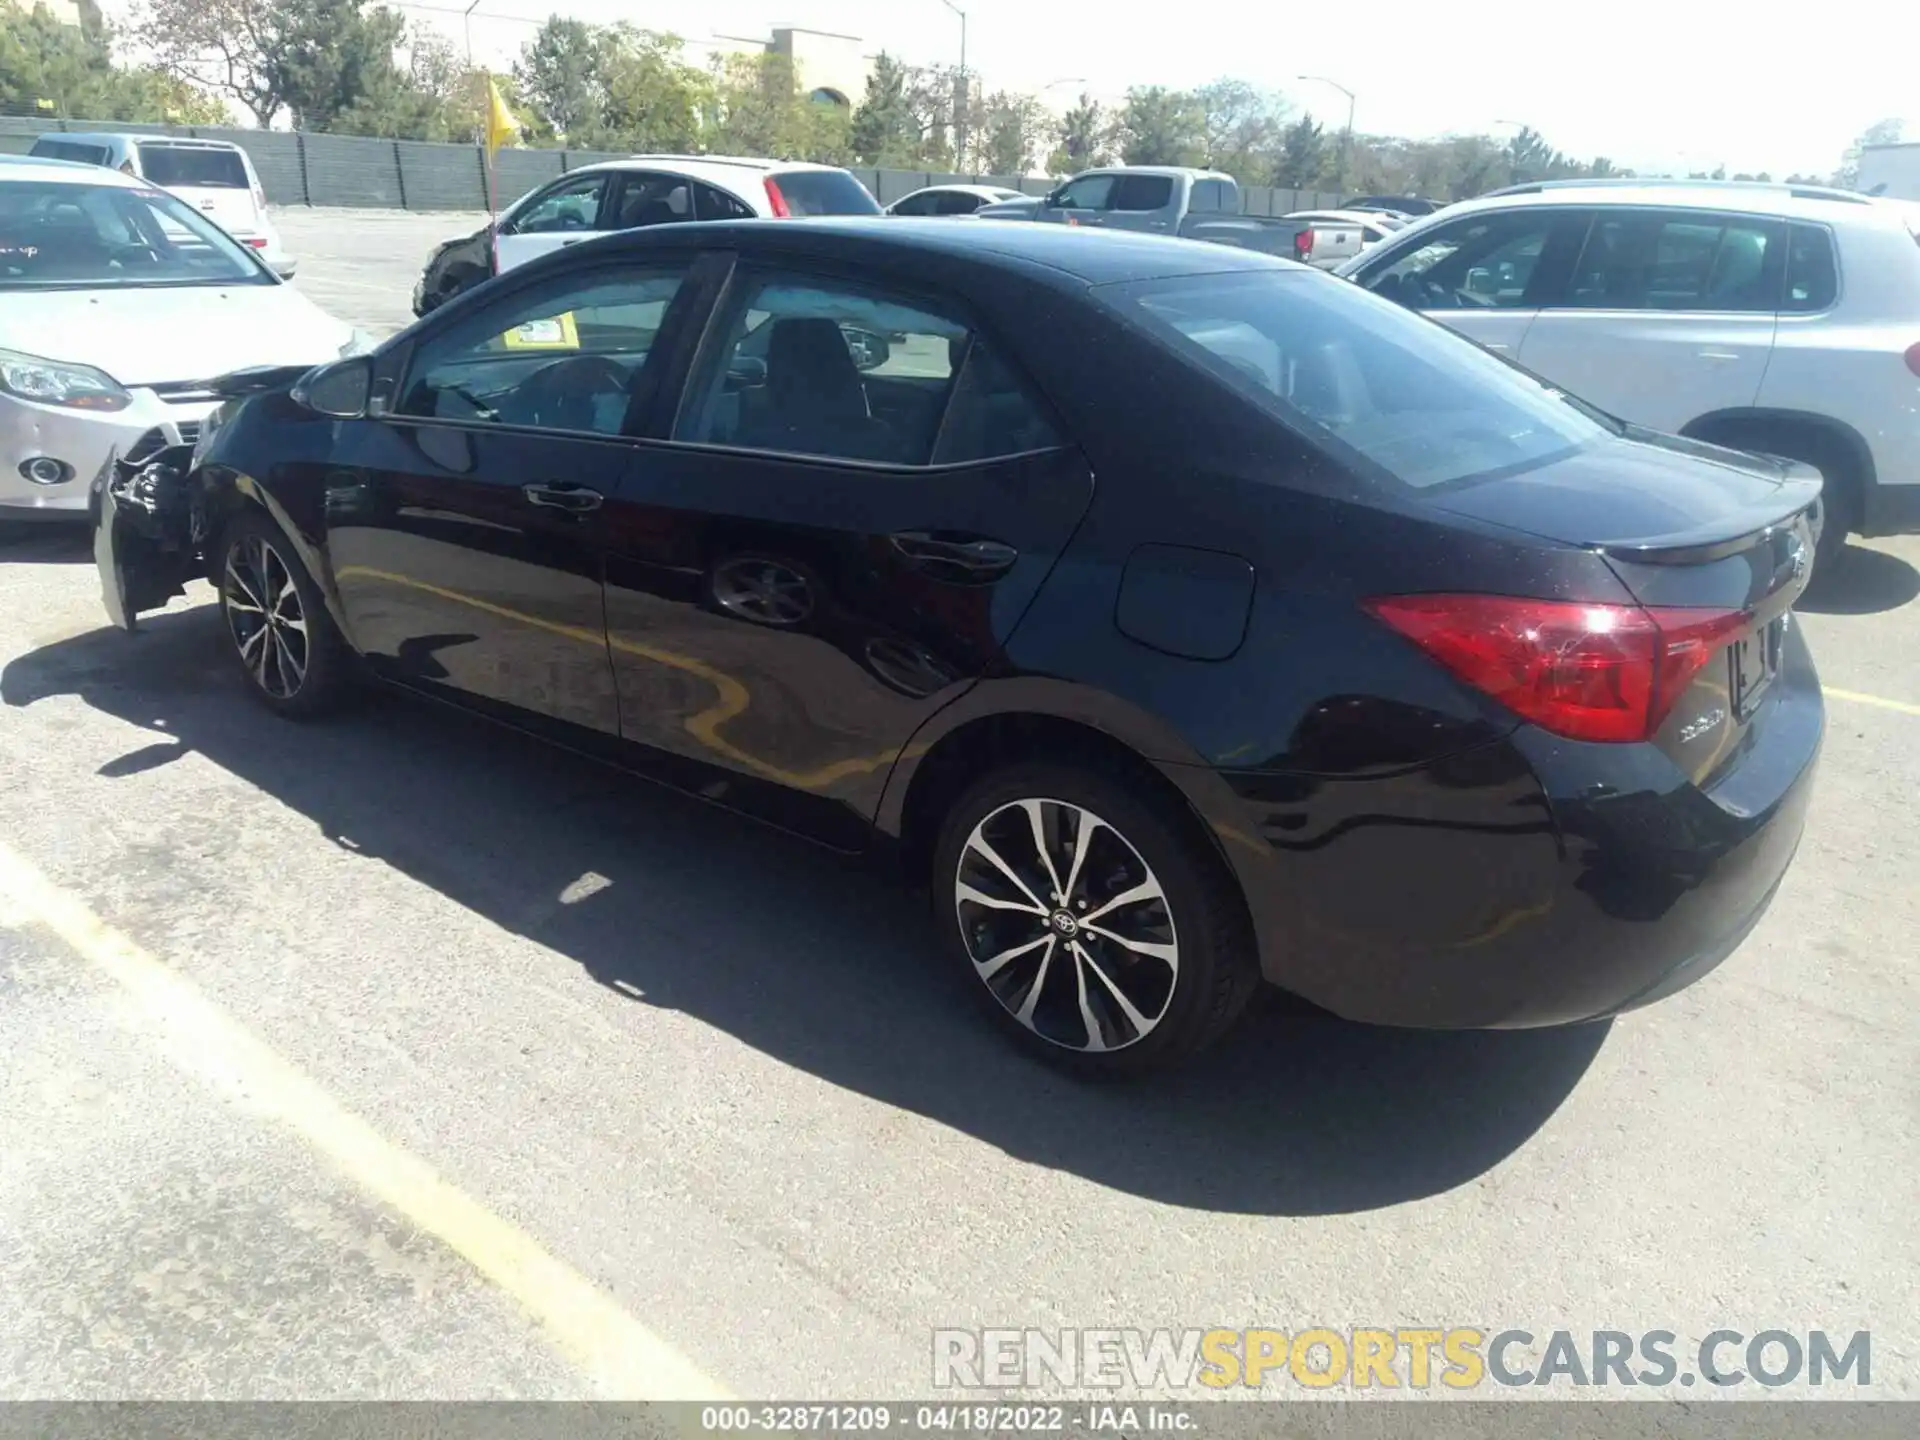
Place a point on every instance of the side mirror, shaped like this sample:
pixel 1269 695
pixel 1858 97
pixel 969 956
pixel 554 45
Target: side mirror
pixel 869 350
pixel 1479 281
pixel 339 391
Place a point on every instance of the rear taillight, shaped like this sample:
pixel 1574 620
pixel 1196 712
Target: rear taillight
pixel 1303 244
pixel 1913 358
pixel 257 243
pixel 1588 672
pixel 776 202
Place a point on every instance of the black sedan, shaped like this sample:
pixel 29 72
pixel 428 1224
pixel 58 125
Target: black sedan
pixel 1181 617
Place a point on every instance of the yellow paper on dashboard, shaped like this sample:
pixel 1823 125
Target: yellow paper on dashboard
pixel 556 333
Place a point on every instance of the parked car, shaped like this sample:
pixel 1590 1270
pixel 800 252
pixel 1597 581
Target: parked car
pixel 1408 205
pixel 951 199
pixel 1773 318
pixel 216 177
pixel 1159 199
pixel 1331 237
pixel 1437 698
pixel 118 302
pixel 631 194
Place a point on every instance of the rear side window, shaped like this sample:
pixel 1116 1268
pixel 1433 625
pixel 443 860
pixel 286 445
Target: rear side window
pixel 70 150
pixel 824 192
pixel 1813 280
pixel 715 204
pixel 1680 261
pixel 991 413
pixel 171 166
pixel 1411 400
pixel 1140 193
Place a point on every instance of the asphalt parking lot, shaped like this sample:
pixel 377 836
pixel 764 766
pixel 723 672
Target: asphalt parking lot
pixel 397 1057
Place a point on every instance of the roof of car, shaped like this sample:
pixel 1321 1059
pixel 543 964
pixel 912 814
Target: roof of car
pixel 1070 252
pixel 1798 202
pixel 141 138
pixel 69 172
pixel 738 162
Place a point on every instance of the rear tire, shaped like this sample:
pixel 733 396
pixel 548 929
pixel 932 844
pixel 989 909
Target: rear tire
pixel 275 623
pixel 1075 973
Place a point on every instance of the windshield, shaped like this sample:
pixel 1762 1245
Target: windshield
pixel 191 165
pixel 62 236
pixel 1407 395
pixel 824 192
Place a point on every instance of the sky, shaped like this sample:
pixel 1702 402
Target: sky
pixel 1651 84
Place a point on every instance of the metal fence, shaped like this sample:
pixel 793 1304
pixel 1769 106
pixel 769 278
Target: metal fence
pixel 297 168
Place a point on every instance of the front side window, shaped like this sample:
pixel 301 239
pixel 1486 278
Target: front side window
pixel 957 202
pixel 817 367
pixel 1417 403
pixel 570 205
pixel 1140 194
pixel 1649 260
pixel 1089 192
pixel 71 150
pixel 65 236
pixel 651 200
pixel 564 355
pixel 1813 278
pixel 191 166
pixel 1477 263
pixel 916 205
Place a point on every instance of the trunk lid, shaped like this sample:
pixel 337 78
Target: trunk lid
pixel 1718 545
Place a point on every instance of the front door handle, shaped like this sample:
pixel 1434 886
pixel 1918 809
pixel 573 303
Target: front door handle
pixel 968 558
pixel 563 495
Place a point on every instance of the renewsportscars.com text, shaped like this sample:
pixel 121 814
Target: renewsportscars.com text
pixel 1361 1358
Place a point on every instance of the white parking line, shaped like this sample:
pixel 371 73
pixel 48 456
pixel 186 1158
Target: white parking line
pixel 618 1355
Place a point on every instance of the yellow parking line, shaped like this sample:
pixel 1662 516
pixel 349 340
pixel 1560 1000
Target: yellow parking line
pixel 619 1356
pixel 1857 697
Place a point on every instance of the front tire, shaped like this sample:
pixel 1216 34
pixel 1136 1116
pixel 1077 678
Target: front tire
pixel 1098 932
pixel 276 624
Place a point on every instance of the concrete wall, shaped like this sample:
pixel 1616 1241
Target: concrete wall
pixel 351 170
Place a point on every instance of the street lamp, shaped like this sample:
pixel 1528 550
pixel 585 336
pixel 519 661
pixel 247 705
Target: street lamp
pixel 1346 143
pixel 961 95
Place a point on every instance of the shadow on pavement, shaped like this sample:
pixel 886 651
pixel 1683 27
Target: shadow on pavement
pixel 817 962
pixel 1864 582
pixel 45 542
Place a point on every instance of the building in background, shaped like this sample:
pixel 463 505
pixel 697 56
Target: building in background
pixel 1890 170
pixel 831 68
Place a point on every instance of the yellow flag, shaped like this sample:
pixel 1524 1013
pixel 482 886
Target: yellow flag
pixel 501 126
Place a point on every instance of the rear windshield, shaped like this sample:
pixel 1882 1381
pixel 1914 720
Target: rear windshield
pixel 824 192
pixel 177 165
pixel 1404 394
pixel 61 236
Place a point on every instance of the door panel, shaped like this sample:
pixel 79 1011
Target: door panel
pixel 780 627
pixel 466 528
pixel 1669 315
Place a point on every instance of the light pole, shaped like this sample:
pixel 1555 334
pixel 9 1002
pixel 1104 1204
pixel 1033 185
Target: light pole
pixel 1346 143
pixel 962 94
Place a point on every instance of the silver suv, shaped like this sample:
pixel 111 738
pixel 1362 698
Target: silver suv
pixel 1771 318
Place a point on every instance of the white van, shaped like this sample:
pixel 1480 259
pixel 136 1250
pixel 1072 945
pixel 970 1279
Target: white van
pixel 216 177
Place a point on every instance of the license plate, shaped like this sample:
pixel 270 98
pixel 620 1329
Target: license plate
pixel 1755 660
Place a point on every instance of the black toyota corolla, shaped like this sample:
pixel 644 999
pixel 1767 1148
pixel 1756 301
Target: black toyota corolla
pixel 1181 617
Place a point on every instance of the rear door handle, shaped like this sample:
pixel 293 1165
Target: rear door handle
pixel 563 495
pixel 955 557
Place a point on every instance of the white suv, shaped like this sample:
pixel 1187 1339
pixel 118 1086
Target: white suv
pixel 1770 318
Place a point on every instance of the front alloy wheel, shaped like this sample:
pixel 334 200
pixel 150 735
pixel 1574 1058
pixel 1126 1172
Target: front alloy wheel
pixel 1067 925
pixel 265 616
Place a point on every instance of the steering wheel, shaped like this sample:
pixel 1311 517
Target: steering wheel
pixel 564 395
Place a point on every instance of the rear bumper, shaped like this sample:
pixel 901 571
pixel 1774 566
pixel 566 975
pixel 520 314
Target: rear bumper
pixel 1891 510
pixel 1531 882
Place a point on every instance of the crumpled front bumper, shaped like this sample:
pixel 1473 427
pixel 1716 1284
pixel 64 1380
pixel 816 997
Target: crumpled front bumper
pixel 149 528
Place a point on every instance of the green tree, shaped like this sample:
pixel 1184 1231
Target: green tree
pixel 652 100
pixel 1529 156
pixel 883 130
pixel 1302 163
pixel 1010 133
pixel 756 107
pixel 1884 132
pixel 48 68
pixel 1240 127
pixel 1159 126
pixel 1084 138
pixel 559 74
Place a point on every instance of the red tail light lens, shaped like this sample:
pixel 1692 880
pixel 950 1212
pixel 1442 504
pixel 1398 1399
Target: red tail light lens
pixel 1589 672
pixel 775 200
pixel 1303 244
pixel 258 243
